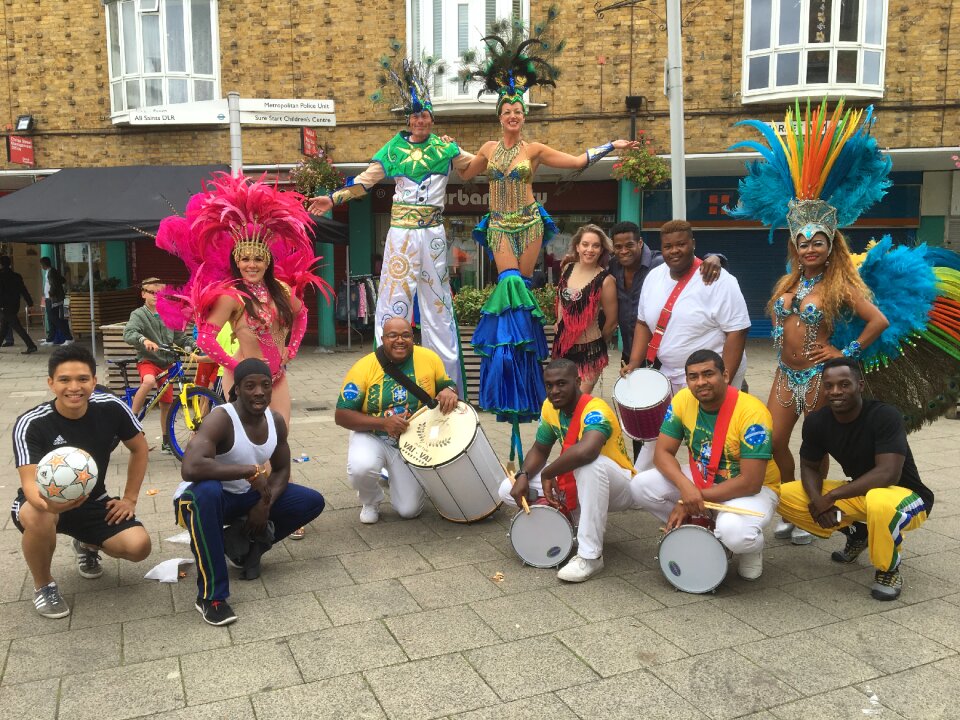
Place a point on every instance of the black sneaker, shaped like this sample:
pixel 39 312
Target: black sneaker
pixel 29 350
pixel 886 585
pixel 216 612
pixel 49 602
pixel 166 448
pixel 88 561
pixel 856 544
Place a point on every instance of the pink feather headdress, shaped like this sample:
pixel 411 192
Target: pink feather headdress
pixel 235 213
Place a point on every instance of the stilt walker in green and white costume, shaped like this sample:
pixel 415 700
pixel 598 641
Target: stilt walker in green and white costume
pixel 415 256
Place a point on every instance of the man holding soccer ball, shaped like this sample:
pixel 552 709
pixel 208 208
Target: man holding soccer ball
pixel 77 417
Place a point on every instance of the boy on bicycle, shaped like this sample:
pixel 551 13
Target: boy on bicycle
pixel 146 332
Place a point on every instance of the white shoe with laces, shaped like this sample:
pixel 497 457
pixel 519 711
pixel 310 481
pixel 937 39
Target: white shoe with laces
pixel 369 514
pixel 580 569
pixel 800 537
pixel 751 565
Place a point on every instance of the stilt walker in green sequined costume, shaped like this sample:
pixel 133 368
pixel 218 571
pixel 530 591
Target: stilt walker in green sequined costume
pixel 510 336
pixel 415 254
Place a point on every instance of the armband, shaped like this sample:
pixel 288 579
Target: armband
pixel 595 153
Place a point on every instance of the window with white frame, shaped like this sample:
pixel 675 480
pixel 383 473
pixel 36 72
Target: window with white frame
pixel 448 28
pixel 162 52
pixel 813 48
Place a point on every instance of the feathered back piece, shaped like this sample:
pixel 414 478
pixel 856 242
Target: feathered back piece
pixel 234 216
pixel 515 60
pixel 822 175
pixel 406 83
pixel 915 363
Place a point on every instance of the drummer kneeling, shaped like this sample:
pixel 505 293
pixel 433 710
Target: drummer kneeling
pixel 718 422
pixel 593 454
pixel 377 408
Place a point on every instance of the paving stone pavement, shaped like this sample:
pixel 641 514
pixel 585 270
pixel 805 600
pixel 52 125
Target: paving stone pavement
pixel 404 619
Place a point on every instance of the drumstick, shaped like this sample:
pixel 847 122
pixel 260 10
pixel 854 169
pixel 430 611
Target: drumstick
pixel 513 480
pixel 730 508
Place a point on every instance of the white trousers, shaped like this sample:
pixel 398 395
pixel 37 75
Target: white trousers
pixel 367 455
pixel 602 487
pixel 415 262
pixel 739 533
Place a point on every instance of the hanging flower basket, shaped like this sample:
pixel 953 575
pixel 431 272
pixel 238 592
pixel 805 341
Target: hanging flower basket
pixel 316 176
pixel 642 166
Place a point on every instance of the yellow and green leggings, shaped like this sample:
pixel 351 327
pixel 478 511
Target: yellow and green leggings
pixel 888 513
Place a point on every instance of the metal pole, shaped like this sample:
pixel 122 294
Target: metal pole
pixel 236 147
pixel 349 326
pixel 93 324
pixel 678 177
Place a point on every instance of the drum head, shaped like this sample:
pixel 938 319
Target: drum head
pixel 543 538
pixel 692 559
pixel 643 388
pixel 433 438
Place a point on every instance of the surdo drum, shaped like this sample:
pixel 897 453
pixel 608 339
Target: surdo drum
pixel 454 462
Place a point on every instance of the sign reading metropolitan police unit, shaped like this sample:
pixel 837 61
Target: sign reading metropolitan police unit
pixel 253 111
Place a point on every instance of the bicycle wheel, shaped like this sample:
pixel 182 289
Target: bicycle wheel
pixel 200 402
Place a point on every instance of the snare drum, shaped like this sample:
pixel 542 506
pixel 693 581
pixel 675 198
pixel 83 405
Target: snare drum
pixel 544 537
pixel 692 559
pixel 454 463
pixel 642 399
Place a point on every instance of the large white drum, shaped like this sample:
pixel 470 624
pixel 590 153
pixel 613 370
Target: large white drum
pixel 454 462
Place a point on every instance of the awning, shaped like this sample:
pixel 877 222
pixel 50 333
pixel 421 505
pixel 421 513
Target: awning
pixel 113 203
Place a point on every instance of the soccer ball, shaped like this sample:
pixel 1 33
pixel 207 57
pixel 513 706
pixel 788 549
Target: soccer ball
pixel 65 474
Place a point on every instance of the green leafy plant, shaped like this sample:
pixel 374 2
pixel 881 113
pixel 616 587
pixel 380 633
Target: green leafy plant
pixel 642 166
pixel 468 302
pixel 316 176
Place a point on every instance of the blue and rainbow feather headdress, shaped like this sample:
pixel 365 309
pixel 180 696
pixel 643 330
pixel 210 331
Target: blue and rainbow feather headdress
pixel 823 174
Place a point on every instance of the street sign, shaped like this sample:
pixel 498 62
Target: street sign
pixel 253 111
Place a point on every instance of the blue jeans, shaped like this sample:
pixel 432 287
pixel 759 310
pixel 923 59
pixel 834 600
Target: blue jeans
pixel 58 328
pixel 205 507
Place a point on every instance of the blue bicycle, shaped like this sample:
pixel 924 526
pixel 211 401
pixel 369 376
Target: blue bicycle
pixel 191 402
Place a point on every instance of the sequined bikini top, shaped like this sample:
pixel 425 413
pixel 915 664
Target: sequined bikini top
pixel 809 313
pixel 520 173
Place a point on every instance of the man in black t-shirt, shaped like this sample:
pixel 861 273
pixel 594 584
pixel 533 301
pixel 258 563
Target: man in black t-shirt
pixel 79 416
pixel 885 497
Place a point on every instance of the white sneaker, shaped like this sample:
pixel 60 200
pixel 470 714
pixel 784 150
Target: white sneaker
pixel 369 514
pixel 68 342
pixel 46 342
pixel 580 569
pixel 751 565
pixel 783 530
pixel 800 537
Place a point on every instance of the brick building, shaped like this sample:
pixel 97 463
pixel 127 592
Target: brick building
pixel 79 70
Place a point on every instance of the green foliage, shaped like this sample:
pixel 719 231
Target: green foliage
pixel 316 176
pixel 642 166
pixel 468 302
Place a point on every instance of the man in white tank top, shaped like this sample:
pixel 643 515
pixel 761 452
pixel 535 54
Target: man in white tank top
pixel 238 464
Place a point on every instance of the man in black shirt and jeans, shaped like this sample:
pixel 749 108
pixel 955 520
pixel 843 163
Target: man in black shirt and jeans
pixel 84 417
pixel 885 497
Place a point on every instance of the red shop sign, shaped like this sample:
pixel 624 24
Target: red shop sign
pixel 20 150
pixel 308 142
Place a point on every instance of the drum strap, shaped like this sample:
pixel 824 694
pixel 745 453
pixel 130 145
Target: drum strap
pixel 567 483
pixel 391 369
pixel 654 345
pixel 719 437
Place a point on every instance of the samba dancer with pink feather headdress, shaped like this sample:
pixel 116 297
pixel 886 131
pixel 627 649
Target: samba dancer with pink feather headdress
pixel 250 259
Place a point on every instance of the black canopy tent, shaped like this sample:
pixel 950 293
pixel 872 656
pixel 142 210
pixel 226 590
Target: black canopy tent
pixel 84 205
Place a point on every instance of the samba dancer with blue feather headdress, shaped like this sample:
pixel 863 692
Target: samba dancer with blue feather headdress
pixel 509 337
pixel 897 312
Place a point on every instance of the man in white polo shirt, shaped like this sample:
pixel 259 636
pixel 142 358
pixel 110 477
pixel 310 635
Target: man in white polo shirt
pixel 704 317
